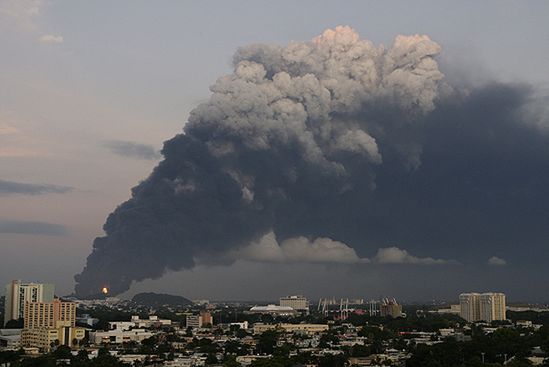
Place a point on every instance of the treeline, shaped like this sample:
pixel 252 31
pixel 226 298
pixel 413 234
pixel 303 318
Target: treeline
pixel 505 344
pixel 60 357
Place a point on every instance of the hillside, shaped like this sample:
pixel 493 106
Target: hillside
pixel 155 300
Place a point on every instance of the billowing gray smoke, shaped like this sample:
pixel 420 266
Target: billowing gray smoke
pixel 316 139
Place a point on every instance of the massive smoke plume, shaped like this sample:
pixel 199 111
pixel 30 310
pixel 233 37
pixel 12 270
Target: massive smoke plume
pixel 339 141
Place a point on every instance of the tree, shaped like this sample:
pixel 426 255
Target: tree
pixel 331 360
pixel 62 352
pixel 230 361
pixel 211 359
pixel 14 324
pixel 267 342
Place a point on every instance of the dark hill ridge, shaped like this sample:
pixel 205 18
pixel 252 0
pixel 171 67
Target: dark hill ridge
pixel 151 299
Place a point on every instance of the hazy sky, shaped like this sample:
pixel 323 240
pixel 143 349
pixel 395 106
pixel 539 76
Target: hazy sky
pixel 90 90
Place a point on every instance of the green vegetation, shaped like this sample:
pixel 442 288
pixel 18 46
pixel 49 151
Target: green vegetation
pixel 504 343
pixel 61 357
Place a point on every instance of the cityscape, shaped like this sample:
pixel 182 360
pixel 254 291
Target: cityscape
pixel 166 330
pixel 291 183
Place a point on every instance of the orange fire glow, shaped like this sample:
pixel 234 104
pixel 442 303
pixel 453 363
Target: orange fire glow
pixel 105 290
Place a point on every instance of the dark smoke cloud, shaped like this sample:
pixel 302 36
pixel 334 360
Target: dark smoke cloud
pixel 20 188
pixel 342 140
pixel 132 150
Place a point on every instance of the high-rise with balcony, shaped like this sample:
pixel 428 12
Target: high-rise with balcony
pixel 18 293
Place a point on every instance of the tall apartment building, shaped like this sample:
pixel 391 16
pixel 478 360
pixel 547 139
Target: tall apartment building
pixel 18 293
pixel 298 303
pixel 492 307
pixel 49 314
pixel 391 308
pixel 469 306
pixel 482 307
pixel 50 323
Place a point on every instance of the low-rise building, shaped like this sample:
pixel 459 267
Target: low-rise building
pixel 118 336
pixel 152 321
pixel 249 359
pixel 46 338
pixel 10 339
pixel 260 328
pixel 274 310
pixel 87 319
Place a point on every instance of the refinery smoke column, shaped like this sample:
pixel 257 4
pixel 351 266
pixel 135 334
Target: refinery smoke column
pixel 286 118
pixel 305 147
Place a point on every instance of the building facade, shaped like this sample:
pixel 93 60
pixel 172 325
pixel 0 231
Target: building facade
pixel 193 321
pixel 49 314
pixel 119 336
pixel 260 328
pixel 492 307
pixel 482 307
pixel 18 293
pixel 206 318
pixel 298 303
pixel 469 306
pixel 49 324
pixel 390 308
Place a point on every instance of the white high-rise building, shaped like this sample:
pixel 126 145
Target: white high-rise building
pixel 298 303
pixel 18 293
pixel 482 307
pixel 492 307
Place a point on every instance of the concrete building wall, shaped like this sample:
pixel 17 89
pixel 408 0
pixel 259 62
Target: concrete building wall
pixel 298 303
pixel 119 336
pixel 492 307
pixel 18 293
pixel 469 304
pixel 482 307
pixel 49 314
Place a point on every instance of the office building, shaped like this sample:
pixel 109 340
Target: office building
pixel 50 323
pixel 18 293
pixel 49 314
pixel 482 307
pixel 198 321
pixel 298 303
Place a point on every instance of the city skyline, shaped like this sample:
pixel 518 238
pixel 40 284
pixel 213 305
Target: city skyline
pixel 86 108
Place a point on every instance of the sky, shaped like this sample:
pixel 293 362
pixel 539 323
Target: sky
pixel 89 91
